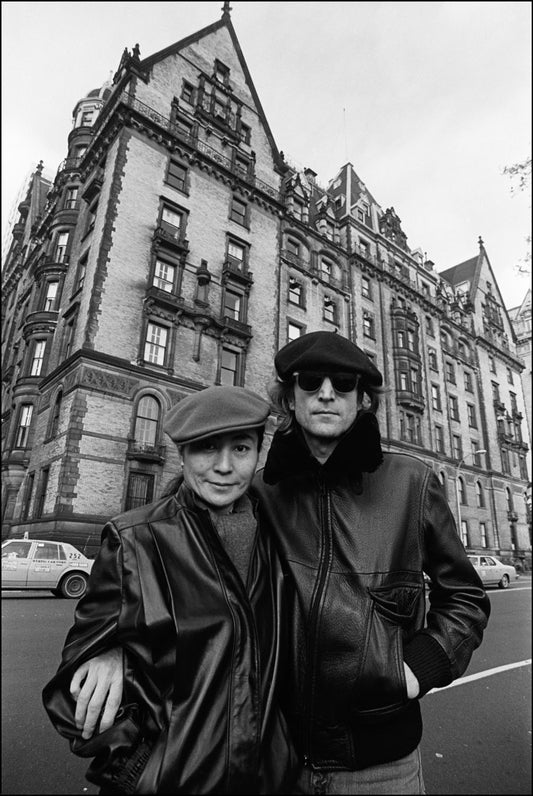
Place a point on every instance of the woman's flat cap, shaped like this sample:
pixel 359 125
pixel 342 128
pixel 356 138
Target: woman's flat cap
pixel 325 351
pixel 215 410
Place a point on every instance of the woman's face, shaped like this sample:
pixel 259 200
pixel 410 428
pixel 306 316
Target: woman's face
pixel 220 468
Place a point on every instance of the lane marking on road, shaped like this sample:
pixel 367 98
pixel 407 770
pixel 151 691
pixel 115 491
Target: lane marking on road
pixel 487 673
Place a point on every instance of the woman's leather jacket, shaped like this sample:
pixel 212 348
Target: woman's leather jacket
pixel 202 657
pixel 355 537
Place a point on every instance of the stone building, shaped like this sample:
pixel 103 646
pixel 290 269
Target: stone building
pixel 177 248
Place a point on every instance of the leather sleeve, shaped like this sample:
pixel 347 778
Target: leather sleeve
pixel 459 608
pixel 96 628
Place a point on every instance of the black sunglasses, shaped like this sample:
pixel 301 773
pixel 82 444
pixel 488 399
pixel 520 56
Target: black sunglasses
pixel 311 381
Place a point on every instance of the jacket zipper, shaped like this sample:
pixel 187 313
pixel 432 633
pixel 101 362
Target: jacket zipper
pixel 324 514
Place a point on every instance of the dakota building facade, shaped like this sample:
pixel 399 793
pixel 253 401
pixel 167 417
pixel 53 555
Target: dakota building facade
pixel 178 248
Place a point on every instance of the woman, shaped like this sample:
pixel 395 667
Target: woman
pixel 190 589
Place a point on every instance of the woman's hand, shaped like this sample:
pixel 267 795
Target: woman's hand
pixel 96 686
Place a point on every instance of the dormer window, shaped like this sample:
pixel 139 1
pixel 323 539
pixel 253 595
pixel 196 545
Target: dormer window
pixel 221 72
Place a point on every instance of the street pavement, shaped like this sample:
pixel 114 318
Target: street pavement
pixel 477 734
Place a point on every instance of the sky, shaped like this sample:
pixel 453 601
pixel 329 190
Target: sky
pixel 429 101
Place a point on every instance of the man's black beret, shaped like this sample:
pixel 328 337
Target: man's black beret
pixel 215 410
pixel 326 351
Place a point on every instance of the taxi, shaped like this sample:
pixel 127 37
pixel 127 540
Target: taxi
pixel 40 564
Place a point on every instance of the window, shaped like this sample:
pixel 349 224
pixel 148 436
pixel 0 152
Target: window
pixel 450 372
pixel 410 427
pixel 236 255
pixel 404 382
pixel 495 391
pixel 365 288
pixel 233 304
pixel 492 364
pixel 468 381
pixel 68 336
pixel 514 405
pixel 509 496
pixel 296 292
pixel 480 495
pixel 432 357
pixel 229 367
pixel 221 72
pixel 435 397
pixel 414 381
pixel 471 411
pixel 238 211
pixel 329 230
pixel 171 221
pixel 429 326
pixel 91 217
pixel 510 376
pixel 86 118
pixel 368 325
pixel 156 344
pixel 325 270
pixel 454 407
pixel 41 494
pixel 241 164
pixel 177 175
pixel 293 331
pixel 39 347
pixel 400 339
pixel 464 532
pixel 462 491
pixel 71 198
pixel 246 133
pixel 483 534
pixel 523 468
pixel 61 247
pixel 82 270
pixel 506 464
pixel 187 92
pixel 298 209
pixel 164 276
pixel 27 500
pixel 146 422
pixel 411 340
pixel 140 490
pixel 54 419
pixel 293 247
pixel 444 482
pixel 457 447
pixel 439 439
pixel 330 309
pixel 23 428
pixel 51 294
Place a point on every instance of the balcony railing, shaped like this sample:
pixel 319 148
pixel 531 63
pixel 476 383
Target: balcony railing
pixel 144 451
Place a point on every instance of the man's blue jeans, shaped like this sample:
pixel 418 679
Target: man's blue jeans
pixel 402 776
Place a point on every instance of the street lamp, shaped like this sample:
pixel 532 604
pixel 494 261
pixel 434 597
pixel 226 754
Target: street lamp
pixel 457 470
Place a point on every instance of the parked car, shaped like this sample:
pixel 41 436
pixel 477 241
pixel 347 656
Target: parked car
pixel 493 572
pixel 42 564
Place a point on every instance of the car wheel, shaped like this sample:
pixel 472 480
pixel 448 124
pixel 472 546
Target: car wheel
pixel 73 585
pixel 504 582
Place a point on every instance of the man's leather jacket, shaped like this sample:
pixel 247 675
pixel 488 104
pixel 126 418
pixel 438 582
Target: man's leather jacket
pixel 355 537
pixel 202 655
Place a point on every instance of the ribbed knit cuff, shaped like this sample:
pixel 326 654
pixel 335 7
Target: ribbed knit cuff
pixel 428 662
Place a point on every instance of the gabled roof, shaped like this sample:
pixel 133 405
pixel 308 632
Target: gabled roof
pixel 225 21
pixel 463 272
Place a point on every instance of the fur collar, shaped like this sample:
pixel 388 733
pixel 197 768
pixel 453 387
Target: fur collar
pixel 358 451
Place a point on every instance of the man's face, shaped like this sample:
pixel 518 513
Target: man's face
pixel 325 413
pixel 220 468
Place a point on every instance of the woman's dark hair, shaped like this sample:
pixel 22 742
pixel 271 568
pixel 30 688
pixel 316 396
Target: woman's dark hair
pixel 281 394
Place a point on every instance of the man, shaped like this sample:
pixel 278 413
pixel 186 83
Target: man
pixel 356 529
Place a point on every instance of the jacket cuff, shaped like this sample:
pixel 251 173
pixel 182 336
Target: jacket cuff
pixel 428 662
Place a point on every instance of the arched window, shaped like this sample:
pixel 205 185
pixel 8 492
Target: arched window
pixel 147 422
pixel 462 491
pixel 442 476
pixel 480 495
pixel 510 504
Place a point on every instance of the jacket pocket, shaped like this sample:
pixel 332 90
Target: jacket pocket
pixel 381 689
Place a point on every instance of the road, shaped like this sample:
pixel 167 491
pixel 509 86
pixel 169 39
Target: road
pixel 477 734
